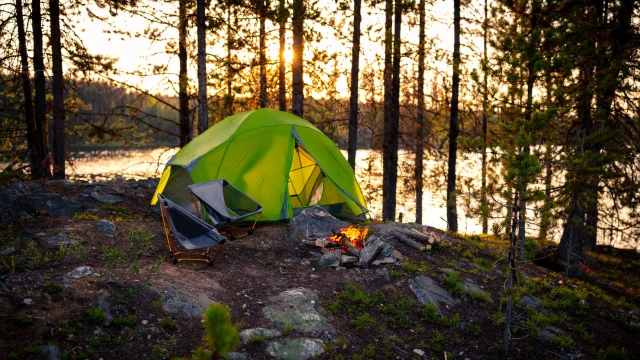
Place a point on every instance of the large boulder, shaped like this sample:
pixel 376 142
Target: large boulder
pixel 183 303
pixel 314 222
pixel 427 290
pixel 46 201
pixel 296 349
pixel 299 309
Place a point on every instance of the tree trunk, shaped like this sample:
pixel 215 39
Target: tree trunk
pixel 282 86
pixel 545 215
pixel 452 212
pixel 183 97
pixel 35 165
pixel 228 99
pixel 203 109
pixel 59 115
pixel 591 220
pixel 388 204
pixel 353 101
pixel 40 99
pixel 263 101
pixel 297 86
pixel 419 141
pixel 485 99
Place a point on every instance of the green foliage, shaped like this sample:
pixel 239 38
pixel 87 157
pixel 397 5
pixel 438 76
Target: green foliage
pixel 351 298
pixel 363 321
pixel 287 329
pixel 161 349
pixel 168 323
pixel 483 263
pixel 114 258
pixel 430 311
pixel 85 216
pixel 258 339
pixel 125 321
pixel 407 265
pixel 480 295
pixel 452 280
pixel 33 347
pixel 613 353
pixel 564 341
pixel 220 336
pixel 96 314
pixel 52 288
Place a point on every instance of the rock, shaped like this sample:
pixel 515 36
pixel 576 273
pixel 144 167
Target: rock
pixel 296 349
pixel 372 248
pixel 383 273
pixel 8 251
pixel 353 251
pixel 314 222
pixel 331 258
pixel 105 226
pixel 46 201
pixel 446 271
pixel 183 303
pixel 5 287
pixel 27 302
pixel 346 260
pixel 7 218
pixel 530 301
pixel 386 252
pixel 427 290
pixel 103 304
pixel 418 352
pixel 101 194
pixel 50 352
pixel 247 334
pixel 398 255
pixel 54 242
pixel 472 288
pixel 298 308
pixel 26 235
pixel 387 260
pixel 548 332
pixel 80 272
pixel 235 356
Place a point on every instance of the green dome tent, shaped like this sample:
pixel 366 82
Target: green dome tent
pixel 278 159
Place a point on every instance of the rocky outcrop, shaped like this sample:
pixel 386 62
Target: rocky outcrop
pixel 314 222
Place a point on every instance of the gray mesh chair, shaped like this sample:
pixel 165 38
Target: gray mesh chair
pixel 190 232
pixel 224 203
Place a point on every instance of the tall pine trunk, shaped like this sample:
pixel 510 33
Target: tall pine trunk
pixel 452 213
pixel 40 85
pixel 485 99
pixel 419 169
pixel 388 204
pixel 353 100
pixel 203 110
pixel 297 86
pixel 282 86
pixel 183 96
pixel 228 98
pixel 35 166
pixel 263 54
pixel 59 115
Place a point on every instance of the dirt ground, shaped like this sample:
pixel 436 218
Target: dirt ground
pixel 252 269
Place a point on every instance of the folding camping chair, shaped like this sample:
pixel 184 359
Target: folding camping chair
pixel 191 232
pixel 224 203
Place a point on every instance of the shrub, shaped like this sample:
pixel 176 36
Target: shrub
pixel 452 279
pixel 96 314
pixel 220 336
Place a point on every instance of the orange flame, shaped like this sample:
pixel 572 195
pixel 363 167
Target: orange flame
pixel 355 235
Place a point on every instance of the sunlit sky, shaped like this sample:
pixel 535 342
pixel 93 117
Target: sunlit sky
pixel 136 53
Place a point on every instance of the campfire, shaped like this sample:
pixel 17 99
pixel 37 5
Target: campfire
pixel 349 236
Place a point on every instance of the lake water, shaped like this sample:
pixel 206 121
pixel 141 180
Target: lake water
pixel 144 163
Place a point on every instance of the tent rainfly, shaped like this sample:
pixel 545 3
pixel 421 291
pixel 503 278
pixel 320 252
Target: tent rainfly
pixel 280 160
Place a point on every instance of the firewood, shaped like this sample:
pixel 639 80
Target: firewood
pixel 414 234
pixel 409 242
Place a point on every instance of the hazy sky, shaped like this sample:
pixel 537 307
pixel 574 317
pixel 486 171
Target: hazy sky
pixel 134 53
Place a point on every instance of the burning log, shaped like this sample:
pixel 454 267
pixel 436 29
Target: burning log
pixel 409 242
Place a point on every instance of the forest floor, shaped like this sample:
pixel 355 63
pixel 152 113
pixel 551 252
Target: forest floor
pixel 155 306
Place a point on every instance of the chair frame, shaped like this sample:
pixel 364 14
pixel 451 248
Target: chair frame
pixel 177 256
pixel 229 230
